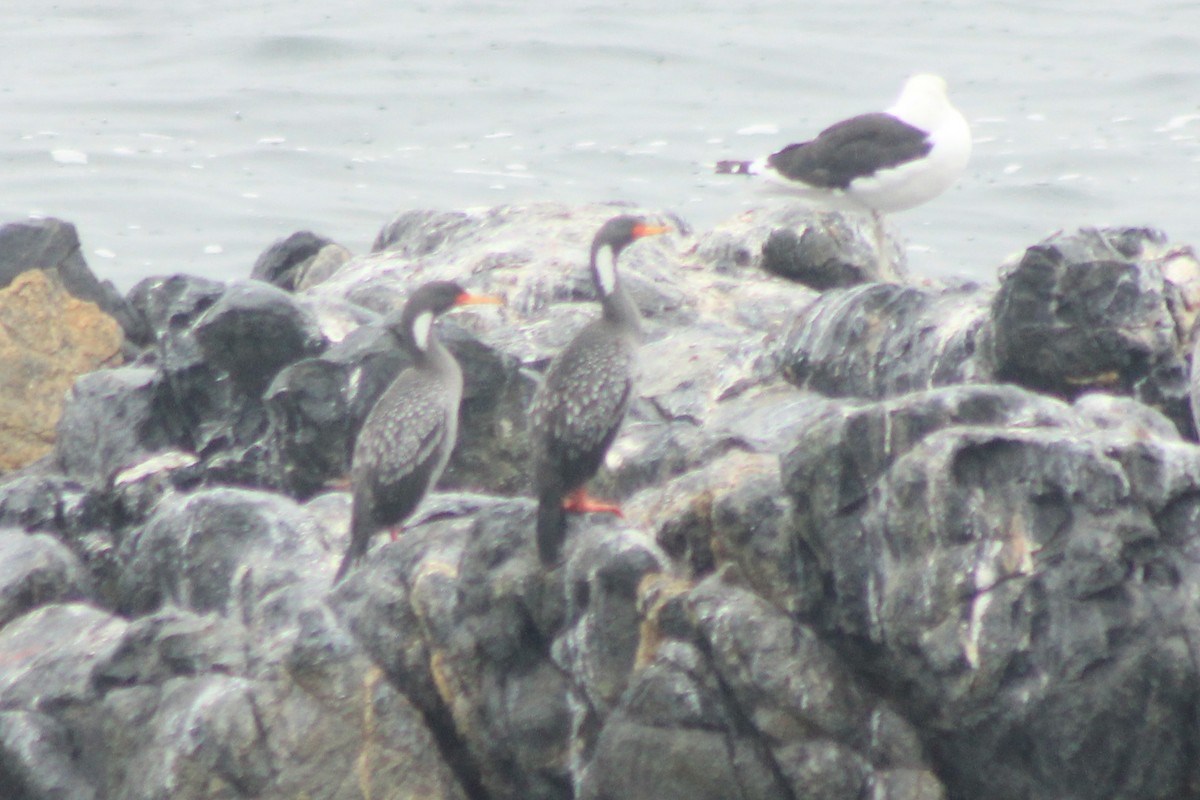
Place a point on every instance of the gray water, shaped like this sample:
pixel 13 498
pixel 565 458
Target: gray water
pixel 188 135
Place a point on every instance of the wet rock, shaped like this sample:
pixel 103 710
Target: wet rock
pixel 47 339
pixel 36 569
pixel 52 245
pixel 531 255
pixel 113 419
pixel 813 260
pixel 182 705
pixel 242 687
pixel 328 260
pixel 454 610
pixel 827 736
pixel 53 654
pixel 35 759
pixel 732 698
pixel 215 548
pixel 172 303
pixel 981 571
pixel 336 317
pixel 1126 415
pixel 253 331
pixel 216 357
pixel 34 501
pixel 822 250
pixel 1094 310
pixel 900 579
pixel 881 340
pixel 287 261
pixel 82 518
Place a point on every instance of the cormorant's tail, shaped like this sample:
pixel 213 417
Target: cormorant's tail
pixel 551 528
pixel 356 550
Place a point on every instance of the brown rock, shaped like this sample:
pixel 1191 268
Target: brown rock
pixel 47 339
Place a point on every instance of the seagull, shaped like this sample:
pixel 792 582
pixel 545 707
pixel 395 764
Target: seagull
pixel 880 162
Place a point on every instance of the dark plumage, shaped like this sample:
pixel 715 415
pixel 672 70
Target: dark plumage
pixel 852 149
pixel 407 438
pixel 582 401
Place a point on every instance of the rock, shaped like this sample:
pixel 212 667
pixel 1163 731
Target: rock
pixel 35 501
pixel 301 258
pixel 213 549
pixel 171 303
pixel 1126 415
pixel 253 331
pixel 813 259
pixel 35 759
pixel 891 576
pixel 881 340
pixel 36 569
pixel 1088 311
pixel 496 247
pixel 981 572
pixel 822 250
pixel 52 245
pixel 217 354
pixel 47 339
pixel 733 699
pixel 454 607
pixel 53 654
pixel 328 260
pixel 181 705
pixel 88 445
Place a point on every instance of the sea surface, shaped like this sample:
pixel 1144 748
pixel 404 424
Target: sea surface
pixel 189 135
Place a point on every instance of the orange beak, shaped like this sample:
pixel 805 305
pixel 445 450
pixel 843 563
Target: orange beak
pixel 468 299
pixel 649 230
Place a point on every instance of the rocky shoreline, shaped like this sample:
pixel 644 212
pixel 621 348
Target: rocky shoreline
pixel 882 539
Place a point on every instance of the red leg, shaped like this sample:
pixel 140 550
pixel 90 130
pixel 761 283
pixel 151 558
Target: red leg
pixel 580 502
pixel 395 532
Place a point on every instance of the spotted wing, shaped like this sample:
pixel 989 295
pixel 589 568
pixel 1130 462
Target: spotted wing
pixel 400 450
pixel 580 406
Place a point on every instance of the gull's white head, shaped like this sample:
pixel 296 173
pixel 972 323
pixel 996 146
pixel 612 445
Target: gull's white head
pixel 923 102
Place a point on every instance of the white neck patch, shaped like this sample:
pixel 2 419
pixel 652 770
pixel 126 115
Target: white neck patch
pixel 420 328
pixel 606 270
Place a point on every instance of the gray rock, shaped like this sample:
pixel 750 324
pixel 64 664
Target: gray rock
pixel 901 580
pixel 112 419
pixel 826 734
pixel 253 331
pixel 36 569
pixel 982 572
pixel 82 518
pixel 35 759
pixel 170 303
pixel 286 261
pixel 53 655
pixel 1113 412
pixel 882 340
pixel 454 610
pixel 815 260
pixel 822 250
pixel 217 548
pixel 1094 310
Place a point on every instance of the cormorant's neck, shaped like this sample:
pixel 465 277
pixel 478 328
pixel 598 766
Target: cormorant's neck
pixel 619 308
pixel 435 355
